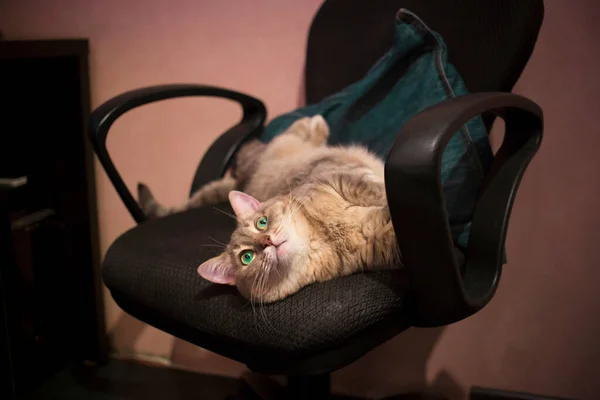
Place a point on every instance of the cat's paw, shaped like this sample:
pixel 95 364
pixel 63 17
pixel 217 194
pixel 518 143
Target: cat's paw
pixel 311 129
pixel 319 130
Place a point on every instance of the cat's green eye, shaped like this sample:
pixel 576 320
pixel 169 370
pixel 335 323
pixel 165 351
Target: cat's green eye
pixel 261 223
pixel 246 257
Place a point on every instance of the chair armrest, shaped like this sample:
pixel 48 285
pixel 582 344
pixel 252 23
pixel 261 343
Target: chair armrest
pixel 218 155
pixel 441 294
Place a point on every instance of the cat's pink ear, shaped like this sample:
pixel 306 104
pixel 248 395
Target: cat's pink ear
pixel 219 269
pixel 243 204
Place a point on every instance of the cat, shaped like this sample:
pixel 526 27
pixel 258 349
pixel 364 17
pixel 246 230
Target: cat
pixel 308 213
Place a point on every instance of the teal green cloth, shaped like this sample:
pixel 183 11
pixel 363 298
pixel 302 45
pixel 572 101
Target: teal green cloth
pixel 413 75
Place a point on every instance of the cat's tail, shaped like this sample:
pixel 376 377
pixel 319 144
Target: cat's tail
pixel 212 193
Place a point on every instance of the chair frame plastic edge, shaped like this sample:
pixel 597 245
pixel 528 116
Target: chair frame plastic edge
pixel 216 160
pixel 439 292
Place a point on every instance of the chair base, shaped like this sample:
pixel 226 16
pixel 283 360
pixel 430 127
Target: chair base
pixel 261 387
pixel 318 387
pixel 314 387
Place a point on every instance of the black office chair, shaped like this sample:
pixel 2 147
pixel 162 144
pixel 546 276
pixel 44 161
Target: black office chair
pixel 151 269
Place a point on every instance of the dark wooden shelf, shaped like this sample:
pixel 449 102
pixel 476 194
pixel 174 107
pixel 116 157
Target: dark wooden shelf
pixel 50 289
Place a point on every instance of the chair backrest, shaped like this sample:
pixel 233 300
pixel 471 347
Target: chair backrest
pixel 489 41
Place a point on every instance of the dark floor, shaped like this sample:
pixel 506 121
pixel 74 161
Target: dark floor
pixel 126 380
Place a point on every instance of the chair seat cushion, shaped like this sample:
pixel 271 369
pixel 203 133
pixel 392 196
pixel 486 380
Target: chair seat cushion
pixel 151 272
pixel 413 75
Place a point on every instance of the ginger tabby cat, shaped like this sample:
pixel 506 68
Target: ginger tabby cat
pixel 308 213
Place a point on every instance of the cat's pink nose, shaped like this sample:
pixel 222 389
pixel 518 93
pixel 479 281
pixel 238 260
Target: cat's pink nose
pixel 265 240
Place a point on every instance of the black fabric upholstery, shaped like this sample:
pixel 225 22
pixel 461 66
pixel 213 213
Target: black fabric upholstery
pixel 155 265
pixel 489 41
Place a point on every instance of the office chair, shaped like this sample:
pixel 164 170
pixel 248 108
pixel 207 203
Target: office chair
pixel 151 269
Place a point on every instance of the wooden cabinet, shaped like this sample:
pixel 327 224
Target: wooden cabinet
pixel 52 309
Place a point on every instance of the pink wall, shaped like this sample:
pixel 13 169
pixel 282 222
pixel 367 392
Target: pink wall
pixel 541 331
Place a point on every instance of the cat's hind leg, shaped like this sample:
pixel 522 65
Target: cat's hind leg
pixel 214 192
pixel 313 130
pixel 303 135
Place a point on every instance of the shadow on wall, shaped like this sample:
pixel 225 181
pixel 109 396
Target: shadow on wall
pixel 397 366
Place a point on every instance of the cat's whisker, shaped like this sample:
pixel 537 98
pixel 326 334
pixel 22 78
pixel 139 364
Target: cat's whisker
pixel 278 272
pixel 260 287
pixel 253 304
pixel 228 214
pixel 285 220
pixel 256 288
pixel 291 209
pixel 301 192
pixel 216 241
pixel 252 290
pixel 298 207
pixel 285 216
pixel 296 195
pixel 261 306
pixel 288 218
pixel 265 280
pixel 294 212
